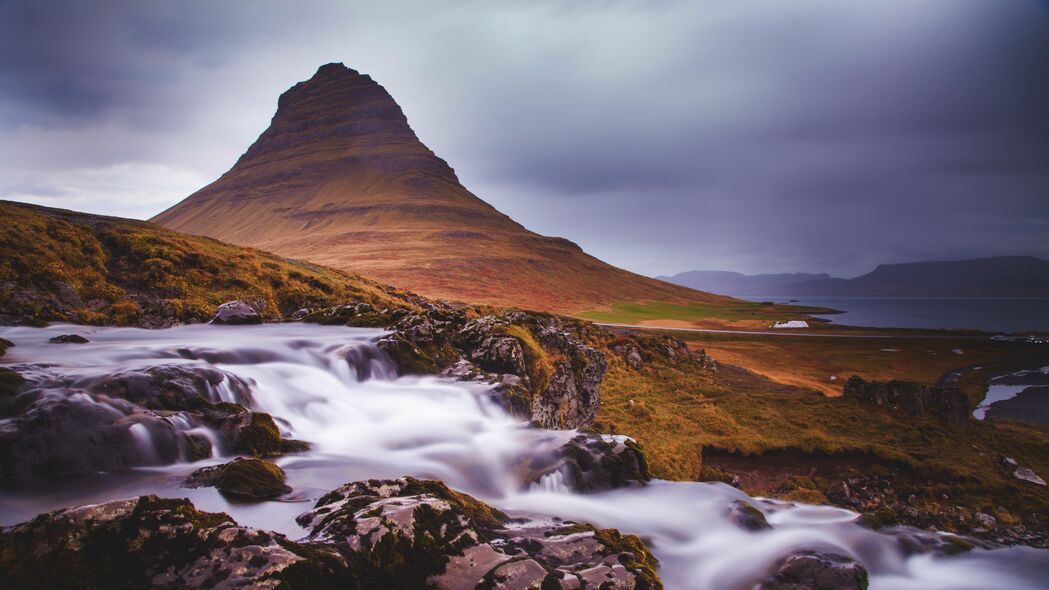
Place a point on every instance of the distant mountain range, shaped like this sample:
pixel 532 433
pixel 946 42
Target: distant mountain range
pixel 1000 276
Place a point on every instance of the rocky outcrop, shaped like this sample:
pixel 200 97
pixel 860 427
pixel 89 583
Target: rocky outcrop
pixel 236 313
pixel 949 404
pixel 545 370
pixel 402 533
pixel 811 570
pixel 53 426
pixel 458 542
pixel 249 479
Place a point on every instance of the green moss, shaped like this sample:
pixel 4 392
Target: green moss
pixel 634 555
pixel 538 364
pixel 261 438
pixel 136 270
pixel 10 382
pixel 251 478
pixel 425 359
pixel 480 513
pixel 880 518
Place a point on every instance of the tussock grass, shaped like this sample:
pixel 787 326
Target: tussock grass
pixel 62 265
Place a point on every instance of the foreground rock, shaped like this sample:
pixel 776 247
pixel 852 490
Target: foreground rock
pixel 810 570
pixel 250 479
pixel 149 542
pixel 458 542
pixel 950 404
pixel 402 533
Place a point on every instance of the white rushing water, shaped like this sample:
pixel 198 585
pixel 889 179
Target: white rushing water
pixel 330 386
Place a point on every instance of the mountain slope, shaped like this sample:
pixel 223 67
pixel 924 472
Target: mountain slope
pixel 340 179
pixel 999 276
pixel 58 265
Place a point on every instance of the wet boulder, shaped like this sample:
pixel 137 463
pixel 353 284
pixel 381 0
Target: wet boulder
pixel 812 570
pixel 458 542
pixel 171 387
pixel 260 437
pixel 236 313
pixel 249 479
pixel 69 339
pixel 4 345
pixel 747 517
pixel 65 436
pixel 595 462
pixel 950 404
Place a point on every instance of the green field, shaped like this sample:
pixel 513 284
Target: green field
pixel 635 313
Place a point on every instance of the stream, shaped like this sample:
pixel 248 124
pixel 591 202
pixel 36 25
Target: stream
pixel 331 386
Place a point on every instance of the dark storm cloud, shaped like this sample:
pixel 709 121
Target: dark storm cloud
pixel 822 135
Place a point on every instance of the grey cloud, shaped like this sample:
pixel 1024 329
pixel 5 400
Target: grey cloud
pixel 822 135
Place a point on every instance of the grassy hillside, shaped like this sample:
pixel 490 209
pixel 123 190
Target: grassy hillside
pixel 58 265
pixel 786 440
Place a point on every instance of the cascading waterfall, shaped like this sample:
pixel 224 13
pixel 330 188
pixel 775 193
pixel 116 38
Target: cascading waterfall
pixel 331 386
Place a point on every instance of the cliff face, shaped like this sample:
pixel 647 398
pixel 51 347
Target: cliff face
pixel 339 178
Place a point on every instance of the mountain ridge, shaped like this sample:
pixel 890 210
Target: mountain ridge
pixel 996 276
pixel 340 179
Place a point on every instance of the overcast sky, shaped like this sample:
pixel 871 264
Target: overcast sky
pixel 662 136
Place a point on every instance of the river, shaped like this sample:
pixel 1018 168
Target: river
pixel 332 387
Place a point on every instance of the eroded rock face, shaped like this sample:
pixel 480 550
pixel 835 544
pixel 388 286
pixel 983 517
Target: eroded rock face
pixel 949 404
pixel 403 533
pixel 811 570
pixel 235 313
pixel 458 542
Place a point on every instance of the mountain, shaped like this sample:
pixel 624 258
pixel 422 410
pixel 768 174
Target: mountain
pixel 737 284
pixel 1000 276
pixel 58 265
pixel 340 179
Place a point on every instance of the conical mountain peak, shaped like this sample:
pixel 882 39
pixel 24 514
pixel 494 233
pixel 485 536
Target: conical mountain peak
pixel 339 178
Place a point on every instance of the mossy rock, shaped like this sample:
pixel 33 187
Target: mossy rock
pixel 634 556
pixel 414 359
pixel 4 345
pixel 261 438
pixel 196 447
pixel 10 382
pixel 880 518
pixel 250 479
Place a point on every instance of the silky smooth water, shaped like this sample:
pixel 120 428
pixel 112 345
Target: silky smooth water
pixel 331 386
